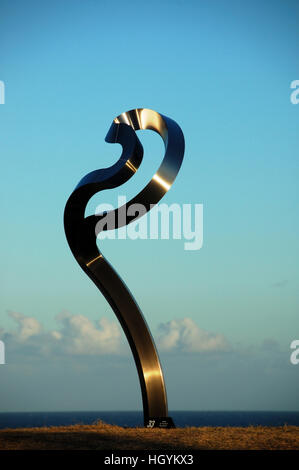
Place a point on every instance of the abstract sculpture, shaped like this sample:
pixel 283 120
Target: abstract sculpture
pixel 81 236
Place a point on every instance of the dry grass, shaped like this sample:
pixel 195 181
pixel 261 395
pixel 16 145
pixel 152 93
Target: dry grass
pixel 101 436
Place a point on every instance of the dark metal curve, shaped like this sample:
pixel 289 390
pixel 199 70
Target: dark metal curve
pixel 81 235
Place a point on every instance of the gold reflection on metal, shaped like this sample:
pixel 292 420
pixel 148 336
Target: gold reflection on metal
pixel 93 260
pixel 152 374
pixel 161 182
pixel 131 166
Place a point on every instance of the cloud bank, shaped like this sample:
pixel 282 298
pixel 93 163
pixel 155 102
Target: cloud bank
pixel 78 335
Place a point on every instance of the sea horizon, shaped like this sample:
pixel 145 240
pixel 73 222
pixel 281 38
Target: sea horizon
pixel 134 418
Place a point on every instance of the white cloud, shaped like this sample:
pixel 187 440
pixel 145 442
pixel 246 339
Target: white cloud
pixel 77 335
pixel 80 335
pixel 27 326
pixel 184 335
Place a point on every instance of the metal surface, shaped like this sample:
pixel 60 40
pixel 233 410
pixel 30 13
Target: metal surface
pixel 81 236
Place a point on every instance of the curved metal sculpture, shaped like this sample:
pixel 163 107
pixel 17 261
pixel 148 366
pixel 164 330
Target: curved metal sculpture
pixel 81 236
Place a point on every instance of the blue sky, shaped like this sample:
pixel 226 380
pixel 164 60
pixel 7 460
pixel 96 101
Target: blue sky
pixel 222 70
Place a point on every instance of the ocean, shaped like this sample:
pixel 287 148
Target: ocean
pixel 135 418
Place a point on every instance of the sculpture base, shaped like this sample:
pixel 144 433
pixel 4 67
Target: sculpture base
pixel 164 423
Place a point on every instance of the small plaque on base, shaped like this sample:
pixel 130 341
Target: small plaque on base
pixel 164 423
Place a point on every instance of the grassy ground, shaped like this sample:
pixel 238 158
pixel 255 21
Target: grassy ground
pixel 107 437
